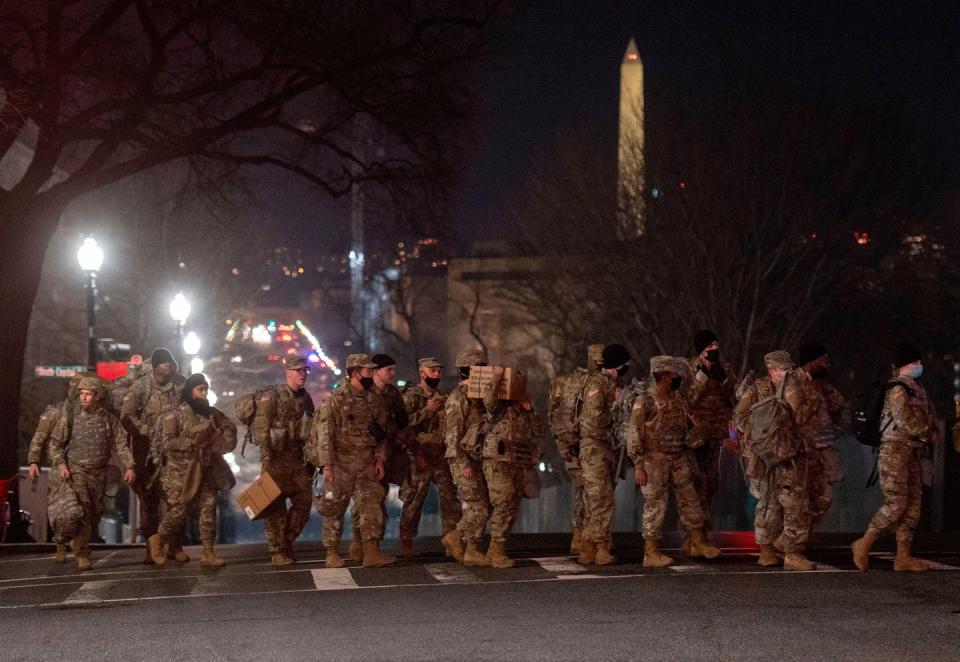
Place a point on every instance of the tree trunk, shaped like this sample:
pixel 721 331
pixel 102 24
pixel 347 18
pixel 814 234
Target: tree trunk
pixel 26 229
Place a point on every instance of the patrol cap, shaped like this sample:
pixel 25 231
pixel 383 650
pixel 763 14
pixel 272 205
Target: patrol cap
pixel 429 362
pixel 594 355
pixel 468 357
pixel 360 361
pixel 778 360
pixel 664 364
pixel 88 383
pixel 295 363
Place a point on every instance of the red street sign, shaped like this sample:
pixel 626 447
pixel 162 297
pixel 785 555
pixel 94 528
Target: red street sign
pixel 111 370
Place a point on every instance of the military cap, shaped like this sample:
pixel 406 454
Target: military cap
pixel 594 355
pixel 295 363
pixel 778 360
pixel 360 361
pixel 664 364
pixel 468 357
pixel 430 362
pixel 89 383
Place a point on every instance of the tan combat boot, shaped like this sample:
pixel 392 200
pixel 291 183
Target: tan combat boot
pixel 83 561
pixel 768 556
pixel 906 562
pixel 653 557
pixel 576 540
pixel 147 558
pixel 406 547
pixel 861 549
pixel 333 559
pixel 208 558
pixel 178 555
pixel 291 551
pixel 453 545
pixel 155 547
pixel 279 559
pixel 497 556
pixel 699 547
pixel 778 547
pixel 797 561
pixel 61 553
pixel 588 552
pixel 685 545
pixel 356 549
pixel 373 557
pixel 603 555
pixel 473 557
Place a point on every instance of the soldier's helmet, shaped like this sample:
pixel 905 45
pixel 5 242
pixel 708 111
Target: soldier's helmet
pixel 91 383
pixel 469 357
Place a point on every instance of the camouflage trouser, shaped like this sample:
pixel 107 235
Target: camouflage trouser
pixel 171 526
pixel 900 482
pixel 355 512
pixel 150 500
pixel 665 470
pixel 474 498
pixel 352 477
pixel 281 525
pixel 597 461
pixel 505 487
pixel 706 478
pixel 575 474
pixel 414 493
pixel 90 486
pixel 821 491
pixel 59 536
pixel 784 506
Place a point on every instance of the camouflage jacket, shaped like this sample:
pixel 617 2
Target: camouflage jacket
pixel 804 408
pixel 826 420
pixel 192 437
pixel 596 417
pixel 394 413
pixel 511 436
pixel 281 424
pixel 908 419
pixel 426 426
pixel 712 401
pixel 459 413
pixel 94 437
pixel 343 429
pixel 39 451
pixel 147 401
pixel 658 423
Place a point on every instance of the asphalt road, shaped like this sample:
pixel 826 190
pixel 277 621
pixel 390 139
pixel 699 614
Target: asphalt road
pixel 427 608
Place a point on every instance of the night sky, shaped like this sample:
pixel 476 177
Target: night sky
pixel 555 65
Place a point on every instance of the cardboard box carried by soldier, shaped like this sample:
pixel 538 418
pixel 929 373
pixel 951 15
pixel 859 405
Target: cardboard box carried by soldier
pixel 258 497
pixel 513 386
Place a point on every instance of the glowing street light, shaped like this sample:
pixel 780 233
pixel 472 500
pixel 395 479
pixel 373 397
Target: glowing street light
pixel 196 365
pixel 90 257
pixel 180 311
pixel 191 343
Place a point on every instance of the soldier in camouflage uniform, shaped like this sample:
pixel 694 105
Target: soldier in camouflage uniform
pixel 350 444
pixel 150 397
pixel 711 406
pixel 39 452
pixel 428 465
pixel 195 437
pixel 823 459
pixel 656 442
pixel 783 506
pixel 461 414
pixel 80 455
pixel 398 464
pixel 509 449
pixel 281 426
pixel 908 426
pixel 597 456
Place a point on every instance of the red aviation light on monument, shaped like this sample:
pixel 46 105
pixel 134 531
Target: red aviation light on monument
pixel 863 238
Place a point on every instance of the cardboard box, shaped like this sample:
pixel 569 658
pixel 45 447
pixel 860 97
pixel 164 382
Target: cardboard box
pixel 258 497
pixel 513 386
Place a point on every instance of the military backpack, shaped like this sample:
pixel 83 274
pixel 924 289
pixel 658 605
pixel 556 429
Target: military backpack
pixel 246 410
pixel 563 403
pixel 868 412
pixel 773 436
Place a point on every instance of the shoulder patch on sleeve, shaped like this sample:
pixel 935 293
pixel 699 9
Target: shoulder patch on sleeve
pixel 128 396
pixel 593 392
pixel 264 398
pixel 637 405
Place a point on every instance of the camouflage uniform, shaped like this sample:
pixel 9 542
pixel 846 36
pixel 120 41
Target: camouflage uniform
pixel 460 413
pixel 280 429
pixel 711 406
pixel 910 423
pixel 597 457
pixel 783 505
pixel 344 442
pixel 656 440
pixel 85 451
pixel 427 465
pixel 822 433
pixel 143 405
pixel 190 438
pixel 39 454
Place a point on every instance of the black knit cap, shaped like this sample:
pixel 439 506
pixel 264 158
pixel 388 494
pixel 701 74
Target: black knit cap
pixel 615 356
pixel 906 354
pixel 162 355
pixel 702 338
pixel 810 351
pixel 383 360
pixel 193 381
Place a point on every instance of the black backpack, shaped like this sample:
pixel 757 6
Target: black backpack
pixel 868 411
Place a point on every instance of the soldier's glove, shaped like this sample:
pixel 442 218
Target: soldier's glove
pixel 377 431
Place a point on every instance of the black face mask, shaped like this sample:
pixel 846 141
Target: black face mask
pixel 819 373
pixel 432 382
pixel 713 355
pixel 366 383
pixel 675 383
pixel 202 407
pixel 622 370
pixel 464 373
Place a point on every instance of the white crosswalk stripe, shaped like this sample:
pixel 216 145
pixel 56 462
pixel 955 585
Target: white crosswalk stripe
pixel 934 565
pixel 333 579
pixel 450 573
pixel 90 592
pixel 561 565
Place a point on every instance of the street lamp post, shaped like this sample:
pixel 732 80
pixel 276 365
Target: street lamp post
pixel 90 257
pixel 179 311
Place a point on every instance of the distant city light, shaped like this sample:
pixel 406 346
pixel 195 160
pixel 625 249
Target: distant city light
pixel 261 335
pixel 236 359
pixel 196 365
pixel 313 358
pixel 212 397
pixel 542 466
pixel 179 308
pixel 655 193
pixel 316 347
pixel 191 344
